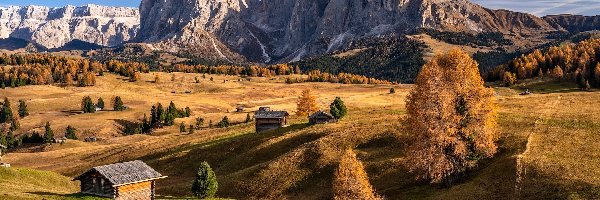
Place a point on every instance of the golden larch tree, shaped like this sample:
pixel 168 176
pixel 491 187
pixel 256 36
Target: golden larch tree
pixel 351 181
pixel 307 103
pixel 451 117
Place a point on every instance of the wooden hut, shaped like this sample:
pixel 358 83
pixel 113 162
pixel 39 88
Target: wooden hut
pixel 266 119
pixel 128 180
pixel 321 117
pixel 239 108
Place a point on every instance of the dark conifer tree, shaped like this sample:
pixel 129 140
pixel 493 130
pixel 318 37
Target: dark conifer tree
pixel 7 114
pixel 23 111
pixel 48 133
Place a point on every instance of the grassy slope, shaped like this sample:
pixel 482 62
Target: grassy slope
pixel 297 162
pixel 19 183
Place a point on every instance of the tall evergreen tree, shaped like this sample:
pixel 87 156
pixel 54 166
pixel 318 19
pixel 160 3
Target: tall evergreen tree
pixel 7 114
pixel 70 133
pixel 118 104
pixel 338 108
pixel 205 185
pixel 162 115
pixel 154 117
pixel 100 103
pixel 87 105
pixel 23 111
pixel 48 134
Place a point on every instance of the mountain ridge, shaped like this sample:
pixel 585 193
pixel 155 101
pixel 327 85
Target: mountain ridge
pixel 259 31
pixel 55 27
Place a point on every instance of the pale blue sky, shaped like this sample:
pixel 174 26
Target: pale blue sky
pixel 536 7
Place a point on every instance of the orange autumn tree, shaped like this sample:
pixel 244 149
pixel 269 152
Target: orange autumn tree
pixel 307 103
pixel 451 117
pixel 351 181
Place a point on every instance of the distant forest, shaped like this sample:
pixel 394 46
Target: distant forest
pixel 396 59
pixel 579 62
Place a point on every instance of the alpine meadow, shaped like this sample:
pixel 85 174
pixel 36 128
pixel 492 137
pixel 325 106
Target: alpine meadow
pixel 299 99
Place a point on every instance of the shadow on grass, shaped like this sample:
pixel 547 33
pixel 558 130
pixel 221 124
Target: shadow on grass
pixel 229 155
pixel 548 87
pixel 68 196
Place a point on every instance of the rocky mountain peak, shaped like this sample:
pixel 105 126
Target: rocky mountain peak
pixel 55 27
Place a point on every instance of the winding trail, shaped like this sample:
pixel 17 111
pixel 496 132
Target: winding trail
pixel 521 171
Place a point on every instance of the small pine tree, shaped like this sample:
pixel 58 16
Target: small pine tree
pixel 205 185
pixel 48 133
pixel 182 128
pixel 118 104
pixel 70 133
pixel 188 112
pixel 157 79
pixel 248 118
pixel 100 103
pixel 199 122
pixel 23 111
pixel 224 123
pixel 87 106
pixel 338 108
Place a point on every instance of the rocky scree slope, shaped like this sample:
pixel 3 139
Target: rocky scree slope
pixel 289 30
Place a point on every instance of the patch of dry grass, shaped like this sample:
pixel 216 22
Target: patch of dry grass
pixel 298 162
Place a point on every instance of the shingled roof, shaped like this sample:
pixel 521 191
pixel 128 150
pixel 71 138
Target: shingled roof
pixel 266 113
pixel 124 173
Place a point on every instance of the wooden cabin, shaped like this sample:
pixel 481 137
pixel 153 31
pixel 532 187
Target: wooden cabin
pixel 321 117
pixel 59 140
pixel 120 181
pixel 266 119
pixel 239 109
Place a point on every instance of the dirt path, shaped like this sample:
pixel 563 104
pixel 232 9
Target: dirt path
pixel 521 171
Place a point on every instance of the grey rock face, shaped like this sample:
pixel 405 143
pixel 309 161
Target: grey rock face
pixel 288 30
pixel 54 27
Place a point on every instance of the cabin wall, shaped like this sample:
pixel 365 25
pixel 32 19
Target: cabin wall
pixel 95 184
pixel 268 124
pixel 136 191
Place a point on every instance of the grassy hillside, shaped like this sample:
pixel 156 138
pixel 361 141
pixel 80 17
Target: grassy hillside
pixel 548 149
pixel 20 183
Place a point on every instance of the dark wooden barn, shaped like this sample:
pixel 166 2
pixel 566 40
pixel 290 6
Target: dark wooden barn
pixel 266 119
pixel 120 181
pixel 321 117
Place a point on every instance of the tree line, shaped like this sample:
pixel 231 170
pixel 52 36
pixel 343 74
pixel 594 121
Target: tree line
pixel 579 63
pixel 44 69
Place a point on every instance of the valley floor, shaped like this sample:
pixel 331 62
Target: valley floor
pixel 549 147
